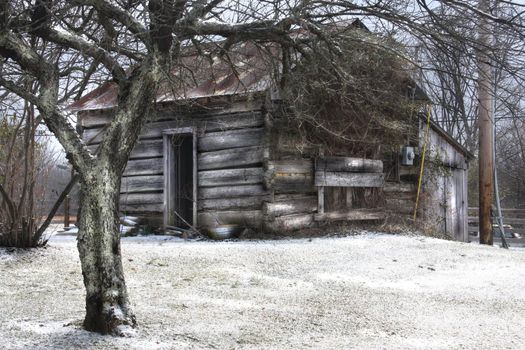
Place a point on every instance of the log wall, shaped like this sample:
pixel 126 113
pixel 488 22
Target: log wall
pixel 249 173
pixel 229 161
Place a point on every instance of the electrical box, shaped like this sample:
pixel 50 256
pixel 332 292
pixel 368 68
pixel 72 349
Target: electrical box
pixel 407 155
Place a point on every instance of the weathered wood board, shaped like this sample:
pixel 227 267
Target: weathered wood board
pixel 290 206
pixel 147 183
pixel 150 166
pixel 349 164
pixel 231 203
pixel 142 202
pixel 214 124
pixel 287 223
pixel 399 187
pixel 248 218
pixel 214 141
pixel 231 191
pixel 342 179
pixel 229 158
pixel 352 215
pixel 292 183
pixel 292 166
pixel 230 177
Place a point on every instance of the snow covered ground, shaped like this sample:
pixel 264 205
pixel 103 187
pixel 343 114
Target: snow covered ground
pixel 365 292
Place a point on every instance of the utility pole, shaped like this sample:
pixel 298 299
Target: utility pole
pixel 485 120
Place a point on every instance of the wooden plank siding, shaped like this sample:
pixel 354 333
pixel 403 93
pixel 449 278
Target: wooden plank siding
pixel 229 161
pixel 293 201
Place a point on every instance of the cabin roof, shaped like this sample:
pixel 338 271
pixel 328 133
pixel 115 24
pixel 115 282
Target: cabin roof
pixel 200 73
pixel 195 76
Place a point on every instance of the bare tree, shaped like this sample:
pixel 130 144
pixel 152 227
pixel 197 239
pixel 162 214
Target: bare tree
pixel 138 44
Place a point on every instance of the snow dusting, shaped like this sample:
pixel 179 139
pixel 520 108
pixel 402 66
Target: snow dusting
pixel 371 291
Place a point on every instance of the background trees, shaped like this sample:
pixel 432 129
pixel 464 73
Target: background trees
pixel 25 160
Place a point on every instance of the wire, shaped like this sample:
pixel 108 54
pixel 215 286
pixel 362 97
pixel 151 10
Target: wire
pixel 422 160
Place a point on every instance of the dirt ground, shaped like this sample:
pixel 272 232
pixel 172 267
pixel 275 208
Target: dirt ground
pixel 372 291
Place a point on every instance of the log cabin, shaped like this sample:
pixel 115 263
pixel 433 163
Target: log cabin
pixel 216 152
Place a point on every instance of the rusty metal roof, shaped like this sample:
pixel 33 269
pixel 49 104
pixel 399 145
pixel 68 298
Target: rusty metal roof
pixel 246 69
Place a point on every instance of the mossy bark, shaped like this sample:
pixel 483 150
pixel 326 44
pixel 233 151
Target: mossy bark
pixel 108 309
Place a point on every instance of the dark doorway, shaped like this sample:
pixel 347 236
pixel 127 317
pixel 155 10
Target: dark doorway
pixel 182 180
pixel 180 171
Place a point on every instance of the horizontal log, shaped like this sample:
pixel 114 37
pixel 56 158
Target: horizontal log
pixel 246 218
pixel 251 119
pixel 231 191
pixel 341 179
pixel 229 177
pixel 292 166
pixel 230 158
pixel 292 183
pixel 287 223
pixel 246 110
pixel 348 164
pixel 225 119
pixel 147 149
pixel 291 206
pixel 231 203
pixel 139 202
pixel 143 149
pixel 154 208
pixel 142 198
pixel 353 215
pixel 92 119
pixel 151 166
pixel 150 130
pixel 399 187
pixel 214 141
pixel 147 183
pixel 291 196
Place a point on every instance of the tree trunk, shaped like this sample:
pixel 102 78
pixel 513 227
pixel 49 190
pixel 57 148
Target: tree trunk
pixel 107 305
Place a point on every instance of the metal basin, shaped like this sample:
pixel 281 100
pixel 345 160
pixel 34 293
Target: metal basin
pixel 223 231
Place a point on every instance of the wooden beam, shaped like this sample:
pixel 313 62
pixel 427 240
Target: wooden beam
pixel 353 215
pixel 292 166
pixel 231 191
pixel 214 141
pixel 231 203
pixel 348 164
pixel 341 179
pixel 147 183
pixel 247 218
pixel 230 177
pixel 230 158
pixel 142 202
pixel 151 166
pixel 212 124
pixel 290 206
pixel 292 183
pixel 287 223
pixel 399 187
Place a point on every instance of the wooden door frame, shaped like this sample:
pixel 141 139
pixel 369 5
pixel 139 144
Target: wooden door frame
pixel 167 135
